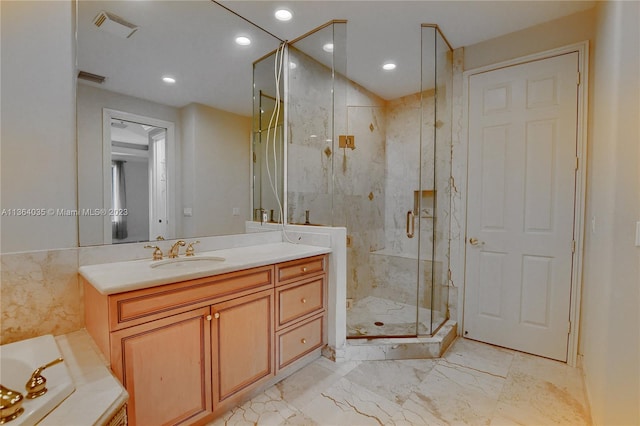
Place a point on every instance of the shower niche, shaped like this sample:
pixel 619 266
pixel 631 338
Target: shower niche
pixel 423 202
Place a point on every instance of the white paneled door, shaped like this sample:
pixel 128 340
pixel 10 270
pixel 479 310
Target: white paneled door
pixel 520 218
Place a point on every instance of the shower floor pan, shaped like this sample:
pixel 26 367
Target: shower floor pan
pixel 397 319
pixel 375 316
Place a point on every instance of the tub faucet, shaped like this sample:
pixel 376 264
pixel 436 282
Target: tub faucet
pixel 175 249
pixel 36 386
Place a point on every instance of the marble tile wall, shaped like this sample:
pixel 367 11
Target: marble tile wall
pixel 339 187
pixel 309 149
pixel 458 190
pixel 40 294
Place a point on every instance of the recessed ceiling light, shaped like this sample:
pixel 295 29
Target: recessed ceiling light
pixel 292 65
pixel 168 80
pixel 389 66
pixel 283 15
pixel 328 47
pixel 243 41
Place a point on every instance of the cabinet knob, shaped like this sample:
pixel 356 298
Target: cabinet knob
pixel 303 300
pixel 304 269
pixel 208 317
pixel 216 315
pixel 303 341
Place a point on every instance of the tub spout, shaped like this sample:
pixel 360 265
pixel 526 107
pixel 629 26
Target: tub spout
pixel 10 404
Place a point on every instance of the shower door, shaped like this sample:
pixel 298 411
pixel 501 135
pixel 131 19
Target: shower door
pixel 378 197
pixel 377 186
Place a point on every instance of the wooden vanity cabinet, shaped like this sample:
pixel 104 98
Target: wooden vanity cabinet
pixel 189 351
pixel 241 346
pixel 165 365
pixel 300 309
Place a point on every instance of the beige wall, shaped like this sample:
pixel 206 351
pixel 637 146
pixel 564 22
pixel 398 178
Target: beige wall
pixel 559 32
pixel 610 339
pixel 215 170
pixel 38 124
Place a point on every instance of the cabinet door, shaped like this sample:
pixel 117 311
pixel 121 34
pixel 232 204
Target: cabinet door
pixel 242 345
pixel 165 365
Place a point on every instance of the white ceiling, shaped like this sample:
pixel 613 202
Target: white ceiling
pixel 193 40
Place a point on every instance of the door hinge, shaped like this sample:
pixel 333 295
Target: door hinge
pixel 577 162
pixel 569 328
pixel 573 246
pixel 579 78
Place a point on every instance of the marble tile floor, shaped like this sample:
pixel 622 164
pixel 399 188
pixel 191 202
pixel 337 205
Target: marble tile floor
pixel 473 384
pixel 393 318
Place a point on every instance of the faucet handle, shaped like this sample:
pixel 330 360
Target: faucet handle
pixel 157 253
pixel 190 250
pixel 36 386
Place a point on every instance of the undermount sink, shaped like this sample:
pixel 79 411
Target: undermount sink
pixel 185 262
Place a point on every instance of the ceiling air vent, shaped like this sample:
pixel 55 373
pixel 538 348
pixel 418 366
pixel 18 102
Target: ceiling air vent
pixel 94 78
pixel 114 24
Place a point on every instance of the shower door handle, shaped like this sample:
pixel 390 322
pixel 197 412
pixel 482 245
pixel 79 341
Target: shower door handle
pixel 411 224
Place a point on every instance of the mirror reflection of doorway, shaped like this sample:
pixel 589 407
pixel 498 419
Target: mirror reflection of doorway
pixel 139 180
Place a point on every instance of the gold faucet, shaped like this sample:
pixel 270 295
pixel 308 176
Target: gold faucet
pixel 175 249
pixel 190 250
pixel 10 404
pixel 36 384
pixel 157 253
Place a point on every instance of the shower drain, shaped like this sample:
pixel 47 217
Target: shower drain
pixel 378 323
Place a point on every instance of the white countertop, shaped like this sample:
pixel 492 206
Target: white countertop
pixel 111 278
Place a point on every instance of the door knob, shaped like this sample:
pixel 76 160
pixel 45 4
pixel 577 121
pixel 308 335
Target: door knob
pixel 475 242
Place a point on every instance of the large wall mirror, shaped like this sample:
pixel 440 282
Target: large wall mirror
pixel 164 116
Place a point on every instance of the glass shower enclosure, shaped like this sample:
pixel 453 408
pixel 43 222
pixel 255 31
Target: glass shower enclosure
pixel 377 162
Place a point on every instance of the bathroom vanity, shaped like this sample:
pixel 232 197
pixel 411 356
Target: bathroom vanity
pixel 189 349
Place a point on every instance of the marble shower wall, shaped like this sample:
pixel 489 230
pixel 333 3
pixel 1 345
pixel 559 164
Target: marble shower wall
pixel 309 149
pixel 339 187
pixel 369 189
pixel 458 188
pixel 397 270
pixel 359 176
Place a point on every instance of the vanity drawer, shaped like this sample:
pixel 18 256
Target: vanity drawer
pixel 298 341
pixel 294 302
pixel 300 268
pixel 137 307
